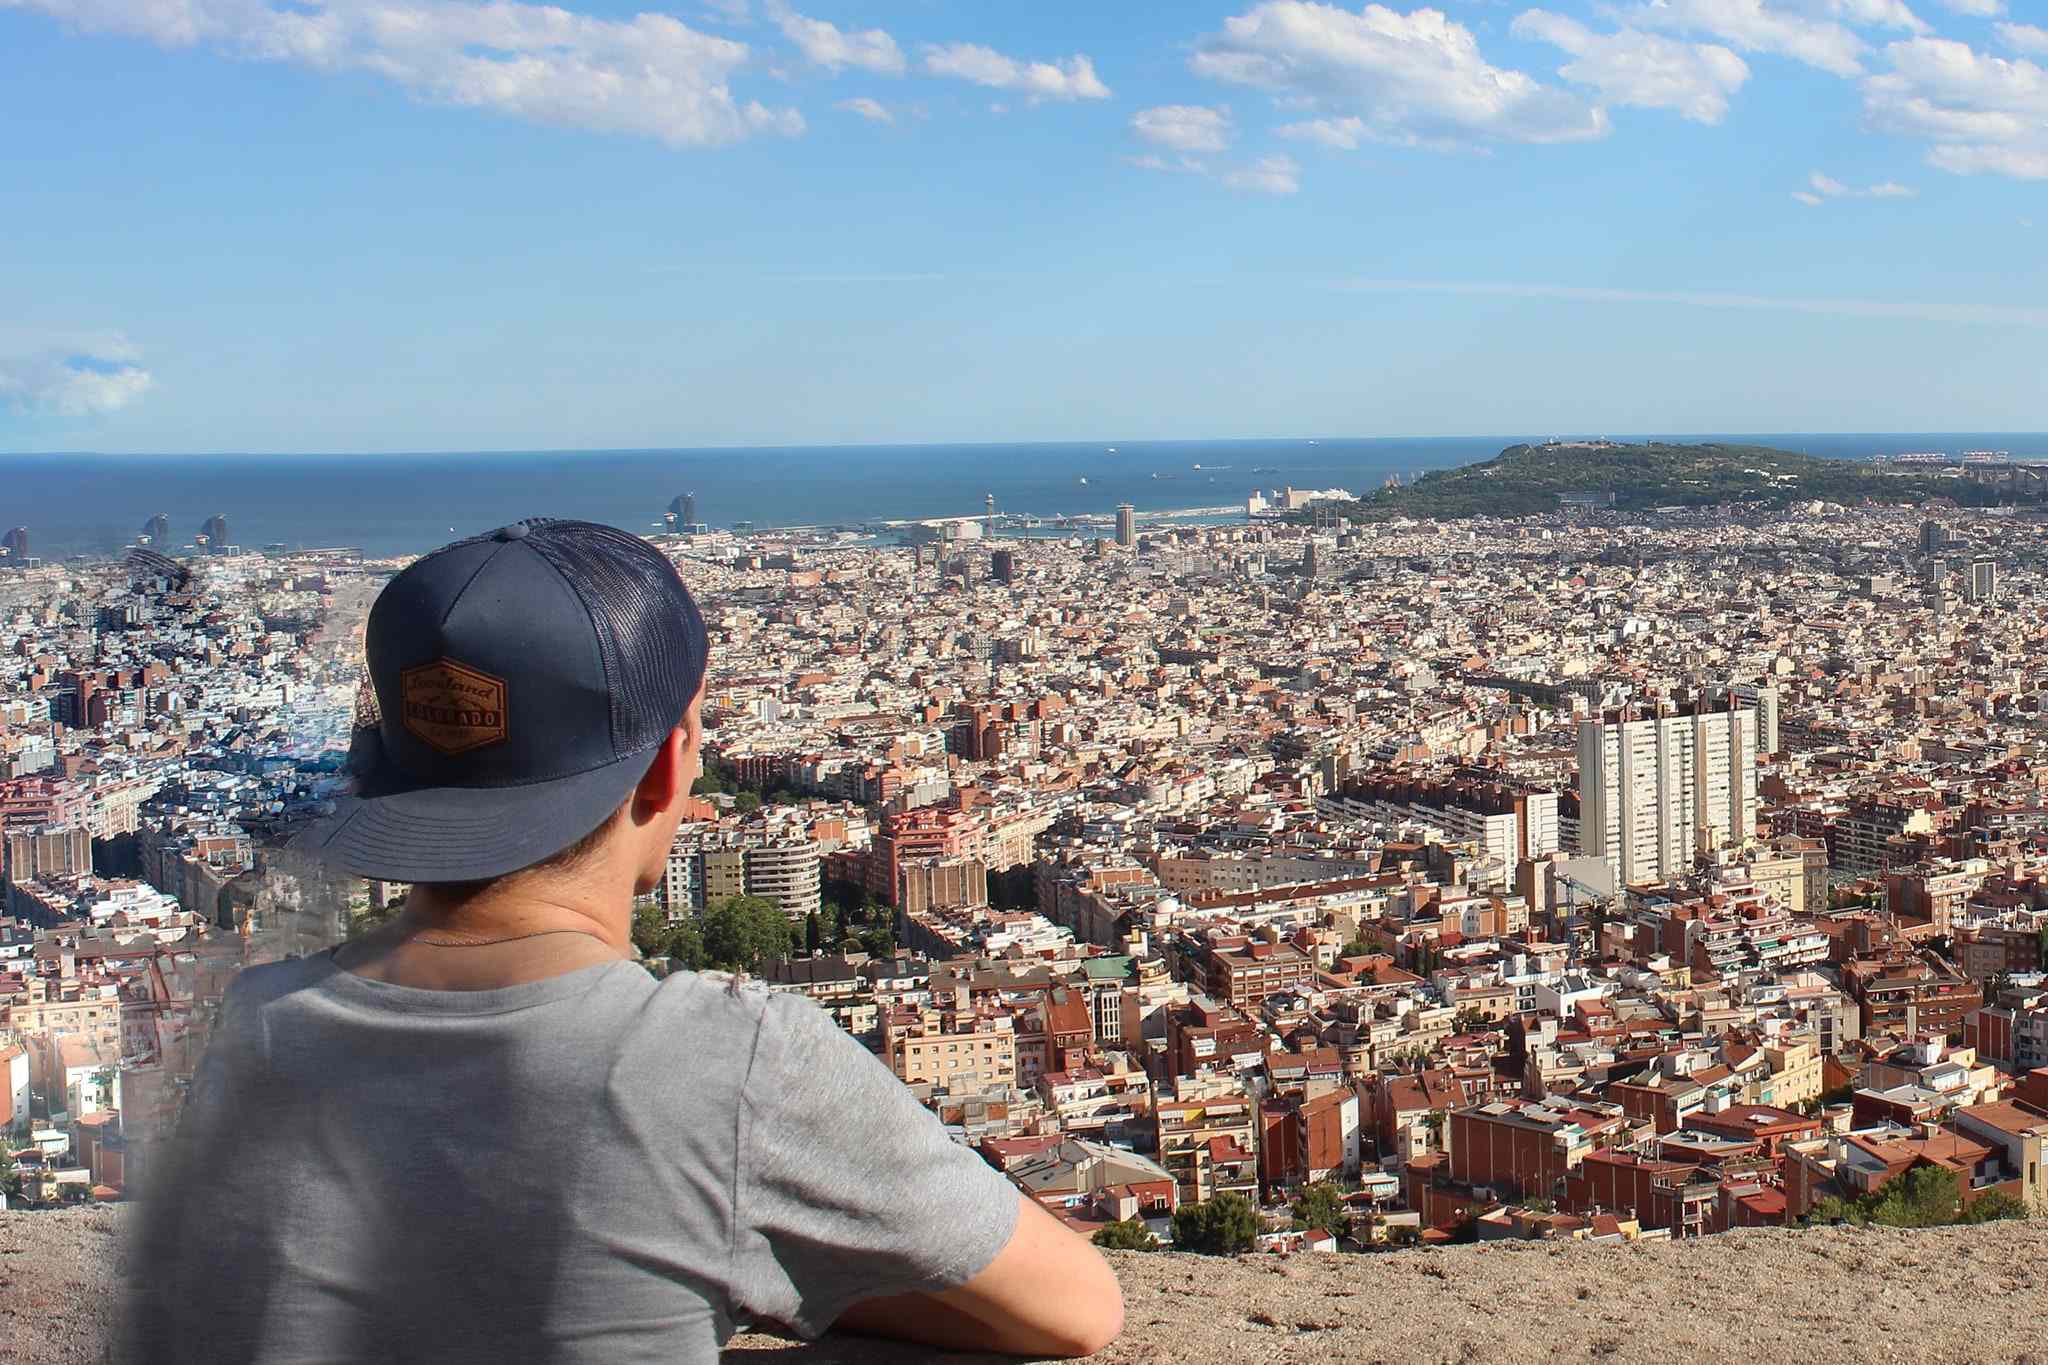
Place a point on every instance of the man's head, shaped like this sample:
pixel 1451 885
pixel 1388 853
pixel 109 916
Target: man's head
pixel 537 696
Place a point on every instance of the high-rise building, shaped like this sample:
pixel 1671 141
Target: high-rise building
pixel 1983 579
pixel 1933 537
pixel 215 529
pixel 786 871
pixel 703 871
pixel 1002 566
pixel 683 507
pixel 1764 697
pixel 1655 793
pixel 15 542
pixel 158 529
pixel 1126 526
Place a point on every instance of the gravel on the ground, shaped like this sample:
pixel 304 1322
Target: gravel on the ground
pixel 1977 1294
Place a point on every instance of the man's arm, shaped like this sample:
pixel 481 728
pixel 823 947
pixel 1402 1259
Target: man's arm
pixel 1047 1293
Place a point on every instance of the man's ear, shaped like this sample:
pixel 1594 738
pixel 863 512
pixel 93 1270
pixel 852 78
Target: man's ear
pixel 662 787
pixel 691 726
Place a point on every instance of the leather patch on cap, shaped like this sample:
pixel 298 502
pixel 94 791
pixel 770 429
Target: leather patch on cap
pixel 452 707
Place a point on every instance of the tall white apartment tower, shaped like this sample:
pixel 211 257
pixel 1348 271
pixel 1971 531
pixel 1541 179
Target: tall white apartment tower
pixel 1655 793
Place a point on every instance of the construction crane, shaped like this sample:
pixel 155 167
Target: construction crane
pixel 1596 899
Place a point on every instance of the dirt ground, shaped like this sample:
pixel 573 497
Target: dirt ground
pixel 1952 1294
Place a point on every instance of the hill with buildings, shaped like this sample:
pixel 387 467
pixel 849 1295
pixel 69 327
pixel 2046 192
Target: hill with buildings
pixel 1527 480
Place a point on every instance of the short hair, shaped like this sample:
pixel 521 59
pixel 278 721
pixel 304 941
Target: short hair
pixel 560 861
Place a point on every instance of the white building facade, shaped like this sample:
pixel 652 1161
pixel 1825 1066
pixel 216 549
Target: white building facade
pixel 1655 793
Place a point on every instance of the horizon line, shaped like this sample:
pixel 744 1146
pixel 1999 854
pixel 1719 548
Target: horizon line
pixel 446 452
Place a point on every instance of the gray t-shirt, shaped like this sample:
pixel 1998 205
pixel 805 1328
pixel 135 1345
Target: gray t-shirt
pixel 594 1167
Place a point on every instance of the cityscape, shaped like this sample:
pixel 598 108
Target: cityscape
pixel 1292 885
pixel 1328 682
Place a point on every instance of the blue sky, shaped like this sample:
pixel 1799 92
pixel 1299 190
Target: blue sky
pixel 289 225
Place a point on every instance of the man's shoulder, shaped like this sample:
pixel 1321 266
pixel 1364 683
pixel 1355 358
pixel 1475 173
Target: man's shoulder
pixel 728 997
pixel 266 981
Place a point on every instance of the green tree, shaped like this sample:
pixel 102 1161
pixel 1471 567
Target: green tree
pixel 1995 1205
pixel 1225 1226
pixel 1321 1206
pixel 656 936
pixel 743 932
pixel 370 920
pixel 650 929
pixel 1131 1234
pixel 685 946
pixel 1830 1209
pixel 746 803
pixel 713 779
pixel 1924 1197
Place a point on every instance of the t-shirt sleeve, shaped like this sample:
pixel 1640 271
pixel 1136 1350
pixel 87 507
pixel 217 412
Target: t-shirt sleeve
pixel 847 1187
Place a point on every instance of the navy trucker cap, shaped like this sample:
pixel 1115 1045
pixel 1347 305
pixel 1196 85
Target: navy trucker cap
pixel 524 680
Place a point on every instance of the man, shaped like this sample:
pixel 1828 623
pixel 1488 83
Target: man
pixel 484 1133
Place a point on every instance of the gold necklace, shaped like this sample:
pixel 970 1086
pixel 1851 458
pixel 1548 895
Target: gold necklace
pixel 487 942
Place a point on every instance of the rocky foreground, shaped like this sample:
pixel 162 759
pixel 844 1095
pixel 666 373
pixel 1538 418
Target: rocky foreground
pixel 1963 1294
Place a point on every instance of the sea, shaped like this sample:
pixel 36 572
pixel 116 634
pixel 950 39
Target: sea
pixel 397 504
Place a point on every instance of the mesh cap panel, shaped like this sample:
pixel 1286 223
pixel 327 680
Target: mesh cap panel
pixel 650 634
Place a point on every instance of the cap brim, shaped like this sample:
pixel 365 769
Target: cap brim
pixel 469 834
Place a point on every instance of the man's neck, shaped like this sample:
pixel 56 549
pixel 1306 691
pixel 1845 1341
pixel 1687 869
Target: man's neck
pixel 509 933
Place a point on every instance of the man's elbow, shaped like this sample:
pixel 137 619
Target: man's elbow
pixel 1092 1322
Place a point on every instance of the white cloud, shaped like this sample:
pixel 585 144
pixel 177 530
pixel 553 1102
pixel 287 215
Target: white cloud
pixel 1407 78
pixel 1821 187
pixel 873 110
pixel 1277 174
pixel 2024 37
pixel 1071 78
pixel 1816 32
pixel 650 76
pixel 1344 134
pixel 1983 115
pixel 82 376
pixel 1871 13
pixel 1646 70
pixel 1340 134
pixel 1180 165
pixel 1184 127
pixel 1978 314
pixel 1976 9
pixel 827 45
